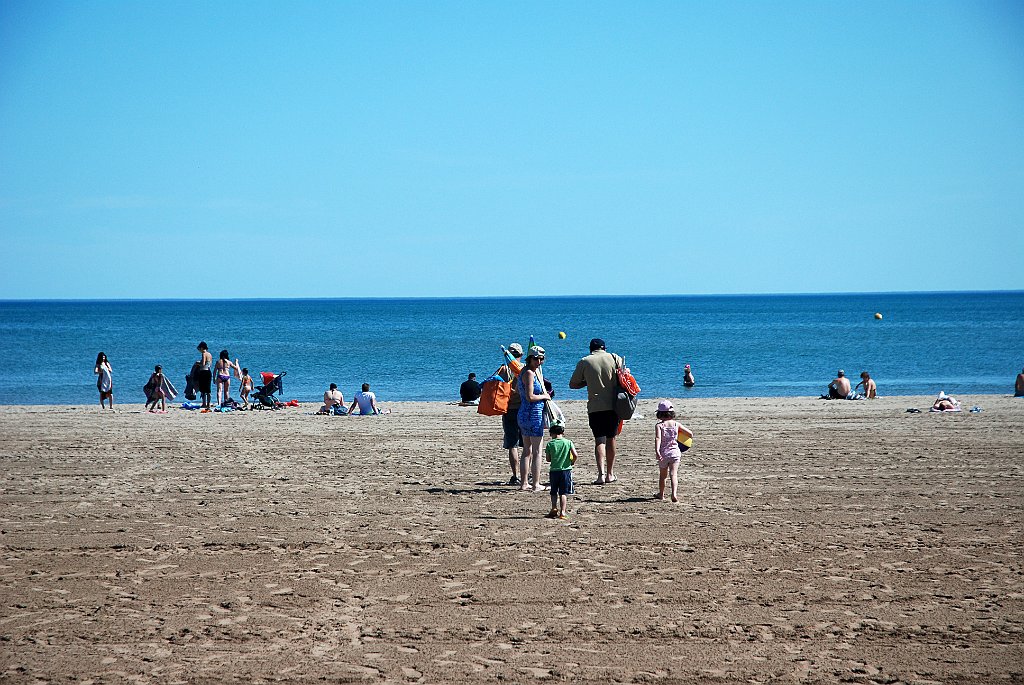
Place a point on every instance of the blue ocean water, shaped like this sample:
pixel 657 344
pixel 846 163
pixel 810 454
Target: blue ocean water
pixel 422 349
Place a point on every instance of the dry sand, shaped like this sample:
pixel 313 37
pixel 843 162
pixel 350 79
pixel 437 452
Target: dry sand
pixel 816 542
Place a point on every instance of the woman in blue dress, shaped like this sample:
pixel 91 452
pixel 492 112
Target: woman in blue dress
pixel 531 417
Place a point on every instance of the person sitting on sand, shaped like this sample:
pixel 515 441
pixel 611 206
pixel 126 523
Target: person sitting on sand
pixel 839 388
pixel 332 398
pixel 870 391
pixel 366 400
pixel 1018 390
pixel 469 391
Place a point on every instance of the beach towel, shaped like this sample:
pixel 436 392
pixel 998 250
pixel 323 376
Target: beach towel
pixel 170 392
pixel 944 411
pixel 190 387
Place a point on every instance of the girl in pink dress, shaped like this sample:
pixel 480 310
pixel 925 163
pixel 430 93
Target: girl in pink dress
pixel 667 433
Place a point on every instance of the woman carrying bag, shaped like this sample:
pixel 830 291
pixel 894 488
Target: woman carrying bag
pixel 531 417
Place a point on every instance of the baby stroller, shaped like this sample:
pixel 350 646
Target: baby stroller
pixel 263 395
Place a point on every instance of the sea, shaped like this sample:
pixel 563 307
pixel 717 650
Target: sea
pixel 423 349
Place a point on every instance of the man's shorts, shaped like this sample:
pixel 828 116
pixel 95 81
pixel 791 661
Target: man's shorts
pixel 561 482
pixel 510 425
pixel 604 424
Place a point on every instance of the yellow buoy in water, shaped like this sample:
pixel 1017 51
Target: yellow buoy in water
pixel 561 335
pixel 878 315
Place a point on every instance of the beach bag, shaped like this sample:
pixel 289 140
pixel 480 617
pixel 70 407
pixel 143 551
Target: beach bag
pixel 553 415
pixel 626 391
pixel 494 395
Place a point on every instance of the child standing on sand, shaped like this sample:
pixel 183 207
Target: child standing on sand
pixel 246 387
pixel 155 391
pixel 562 455
pixel 667 433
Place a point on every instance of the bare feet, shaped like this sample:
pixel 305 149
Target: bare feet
pixel 674 498
pixel 660 495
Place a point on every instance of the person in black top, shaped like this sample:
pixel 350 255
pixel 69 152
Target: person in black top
pixel 470 390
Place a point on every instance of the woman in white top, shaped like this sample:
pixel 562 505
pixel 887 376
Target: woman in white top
pixel 104 380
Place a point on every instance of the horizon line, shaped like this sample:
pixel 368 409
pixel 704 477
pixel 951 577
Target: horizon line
pixel 502 297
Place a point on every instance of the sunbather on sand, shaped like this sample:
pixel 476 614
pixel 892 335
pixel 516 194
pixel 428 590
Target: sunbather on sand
pixel 945 403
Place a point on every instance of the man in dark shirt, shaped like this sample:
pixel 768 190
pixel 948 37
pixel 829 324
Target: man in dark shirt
pixel 470 390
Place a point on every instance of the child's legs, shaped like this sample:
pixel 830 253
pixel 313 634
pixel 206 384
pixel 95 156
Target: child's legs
pixel 554 499
pixel 563 501
pixel 662 474
pixel 673 469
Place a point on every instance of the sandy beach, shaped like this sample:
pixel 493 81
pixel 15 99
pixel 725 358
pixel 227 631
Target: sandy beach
pixel 815 542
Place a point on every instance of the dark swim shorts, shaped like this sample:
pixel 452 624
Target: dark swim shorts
pixel 561 482
pixel 202 380
pixel 510 425
pixel 604 424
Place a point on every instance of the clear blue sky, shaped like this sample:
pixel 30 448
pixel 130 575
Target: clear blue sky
pixel 327 149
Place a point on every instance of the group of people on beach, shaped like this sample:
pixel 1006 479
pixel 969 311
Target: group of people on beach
pixel 523 426
pixel 158 389
pixel 839 388
pixel 334 402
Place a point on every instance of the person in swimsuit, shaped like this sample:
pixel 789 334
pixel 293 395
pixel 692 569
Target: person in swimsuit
pixel 688 379
pixel 531 417
pixel 870 389
pixel 245 387
pixel 223 371
pixel 104 380
pixel 204 376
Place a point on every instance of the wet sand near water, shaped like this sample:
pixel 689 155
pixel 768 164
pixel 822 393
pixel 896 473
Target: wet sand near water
pixel 285 547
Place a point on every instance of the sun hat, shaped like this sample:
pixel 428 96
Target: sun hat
pixel 942 395
pixel 535 351
pixel 665 405
pixel 516 349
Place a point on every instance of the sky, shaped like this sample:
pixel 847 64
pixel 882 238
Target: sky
pixel 454 149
